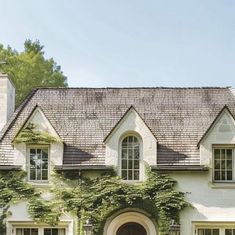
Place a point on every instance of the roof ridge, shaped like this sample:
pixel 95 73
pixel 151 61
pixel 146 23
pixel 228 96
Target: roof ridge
pixel 160 87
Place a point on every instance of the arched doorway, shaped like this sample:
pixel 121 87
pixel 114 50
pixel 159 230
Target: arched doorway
pixel 127 222
pixel 131 229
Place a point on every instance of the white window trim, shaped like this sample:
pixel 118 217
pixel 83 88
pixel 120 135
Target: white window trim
pixel 224 182
pixel 37 182
pixel 141 162
pixel 221 225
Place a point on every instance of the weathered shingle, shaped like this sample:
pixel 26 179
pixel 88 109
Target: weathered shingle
pixel 83 117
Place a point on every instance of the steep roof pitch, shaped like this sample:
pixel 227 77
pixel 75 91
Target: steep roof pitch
pixel 83 117
pixel 225 108
pixel 121 119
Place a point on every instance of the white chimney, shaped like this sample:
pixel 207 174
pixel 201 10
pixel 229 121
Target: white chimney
pixel 7 99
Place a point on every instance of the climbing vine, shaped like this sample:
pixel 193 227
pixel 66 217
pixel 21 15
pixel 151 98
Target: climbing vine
pixel 30 135
pixel 96 198
pixel 13 188
pixel 99 198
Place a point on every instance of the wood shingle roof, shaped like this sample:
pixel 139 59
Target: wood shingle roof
pixel 83 117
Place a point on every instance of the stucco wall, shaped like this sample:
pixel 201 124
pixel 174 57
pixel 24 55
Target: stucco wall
pixel 210 203
pixel 223 132
pixel 131 123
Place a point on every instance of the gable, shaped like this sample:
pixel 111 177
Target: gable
pixel 131 123
pixel 40 124
pixel 222 130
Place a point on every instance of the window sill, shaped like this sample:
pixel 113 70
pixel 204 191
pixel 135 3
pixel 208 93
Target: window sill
pixel 222 185
pixel 40 184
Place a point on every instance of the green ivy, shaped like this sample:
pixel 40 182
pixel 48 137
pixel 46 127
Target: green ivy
pixel 13 189
pixel 30 135
pixel 96 199
pixel 99 198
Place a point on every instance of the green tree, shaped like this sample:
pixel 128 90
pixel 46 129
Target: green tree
pixel 30 69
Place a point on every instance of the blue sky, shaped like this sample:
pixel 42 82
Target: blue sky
pixel 105 43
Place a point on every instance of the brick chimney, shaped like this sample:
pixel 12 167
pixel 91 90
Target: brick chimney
pixel 7 99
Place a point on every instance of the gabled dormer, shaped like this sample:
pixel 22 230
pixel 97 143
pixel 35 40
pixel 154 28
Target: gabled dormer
pixel 217 147
pixel 38 147
pixel 130 146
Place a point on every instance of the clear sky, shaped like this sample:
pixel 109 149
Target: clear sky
pixel 101 43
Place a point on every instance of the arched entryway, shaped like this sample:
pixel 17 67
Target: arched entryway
pixel 127 222
pixel 131 229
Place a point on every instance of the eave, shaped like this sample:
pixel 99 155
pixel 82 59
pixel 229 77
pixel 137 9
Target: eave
pixel 82 167
pixel 10 167
pixel 179 168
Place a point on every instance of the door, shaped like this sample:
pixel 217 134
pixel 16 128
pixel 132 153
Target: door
pixel 131 229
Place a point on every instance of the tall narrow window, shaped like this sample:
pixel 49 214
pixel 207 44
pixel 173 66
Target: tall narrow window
pixel 38 167
pixel 223 164
pixel 130 158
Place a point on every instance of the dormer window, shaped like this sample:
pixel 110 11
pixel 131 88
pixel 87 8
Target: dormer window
pixel 130 158
pixel 223 164
pixel 38 163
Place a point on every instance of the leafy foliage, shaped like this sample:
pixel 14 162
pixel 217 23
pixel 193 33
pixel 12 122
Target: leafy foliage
pixel 95 199
pixel 13 188
pixel 31 135
pixel 99 198
pixel 30 69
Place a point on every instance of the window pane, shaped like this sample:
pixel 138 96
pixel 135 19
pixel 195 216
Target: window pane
pixel 215 231
pixel 124 153
pixel 229 154
pixel 136 175
pixel 124 175
pixel 217 175
pixel 222 154
pixel 229 164
pixel 130 175
pixel 34 231
pixel 229 175
pixel 136 164
pixel 217 153
pixel 130 155
pixel 54 231
pixel 32 174
pixel 130 164
pixel 47 231
pixel 228 232
pixel 26 231
pixel 44 174
pixel 217 164
pixel 208 232
pixel 124 164
pixel 200 231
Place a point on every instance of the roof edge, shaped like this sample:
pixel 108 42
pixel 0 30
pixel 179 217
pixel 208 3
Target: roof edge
pixel 179 168
pixel 120 120
pixel 213 123
pixel 82 167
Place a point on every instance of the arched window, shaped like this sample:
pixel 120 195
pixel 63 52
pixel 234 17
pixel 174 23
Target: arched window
pixel 130 158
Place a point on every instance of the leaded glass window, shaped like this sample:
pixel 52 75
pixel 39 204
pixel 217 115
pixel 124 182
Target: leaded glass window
pixel 38 164
pixel 130 158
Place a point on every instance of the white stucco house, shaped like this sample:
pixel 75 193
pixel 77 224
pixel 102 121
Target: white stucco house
pixel 188 133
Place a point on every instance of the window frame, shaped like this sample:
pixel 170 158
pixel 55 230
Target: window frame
pixel 214 147
pixel 214 225
pixel 136 135
pixel 40 228
pixel 29 147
